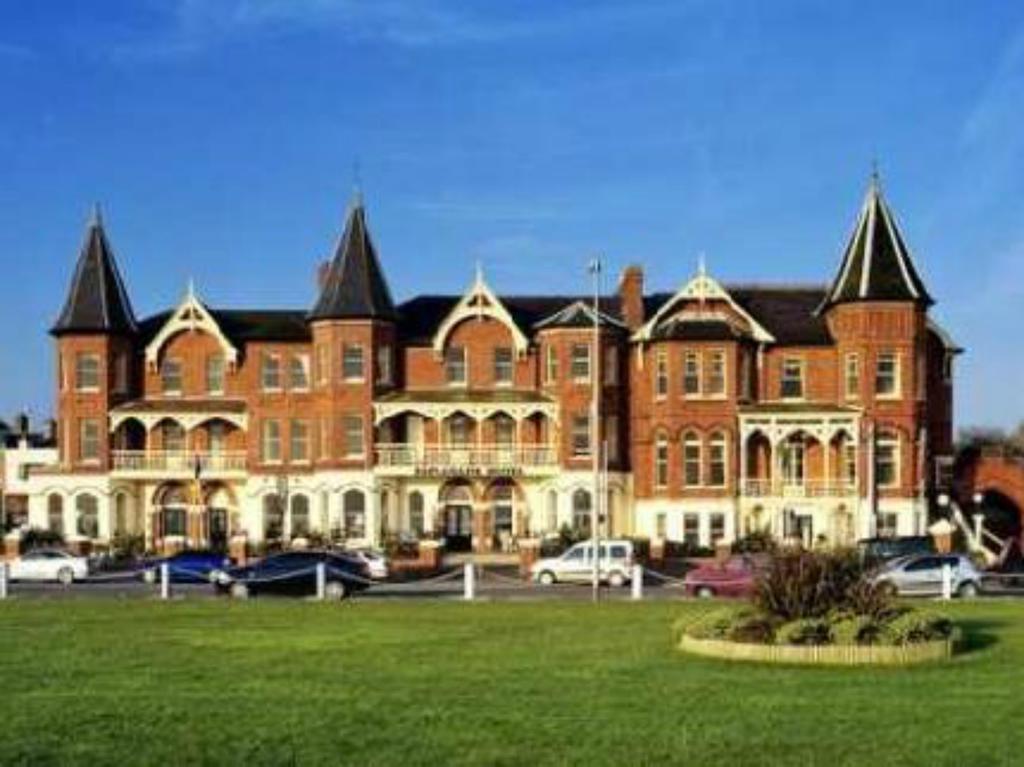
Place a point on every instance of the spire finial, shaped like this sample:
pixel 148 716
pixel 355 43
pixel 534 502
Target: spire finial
pixel 479 274
pixel 876 179
pixel 357 185
pixel 190 291
pixel 702 267
pixel 96 216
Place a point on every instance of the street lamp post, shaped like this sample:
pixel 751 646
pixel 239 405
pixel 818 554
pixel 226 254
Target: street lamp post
pixel 595 429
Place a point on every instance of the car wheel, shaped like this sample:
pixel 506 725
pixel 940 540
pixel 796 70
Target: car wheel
pixel 546 578
pixel 66 576
pixel 239 591
pixel 616 580
pixel 335 591
pixel 967 590
pixel 705 592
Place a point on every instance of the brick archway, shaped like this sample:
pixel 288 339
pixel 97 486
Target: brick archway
pixel 990 471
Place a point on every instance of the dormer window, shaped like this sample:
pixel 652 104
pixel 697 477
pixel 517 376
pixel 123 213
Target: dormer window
pixel 215 374
pixel 503 366
pixel 455 365
pixel 170 377
pixel 792 382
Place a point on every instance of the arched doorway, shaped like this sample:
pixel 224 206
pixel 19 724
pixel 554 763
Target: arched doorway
pixel 456 501
pixel 219 502
pixel 170 515
pixel 505 518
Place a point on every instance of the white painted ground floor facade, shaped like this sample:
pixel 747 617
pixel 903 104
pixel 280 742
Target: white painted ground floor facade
pixel 482 513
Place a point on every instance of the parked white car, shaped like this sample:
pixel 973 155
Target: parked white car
pixel 576 565
pixel 48 565
pixel 376 563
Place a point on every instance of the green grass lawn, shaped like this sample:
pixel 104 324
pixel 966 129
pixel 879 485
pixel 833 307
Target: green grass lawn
pixel 129 682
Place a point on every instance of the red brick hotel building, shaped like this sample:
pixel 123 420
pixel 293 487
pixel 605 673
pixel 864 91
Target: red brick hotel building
pixel 822 412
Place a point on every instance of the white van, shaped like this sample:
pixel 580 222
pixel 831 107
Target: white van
pixel 577 564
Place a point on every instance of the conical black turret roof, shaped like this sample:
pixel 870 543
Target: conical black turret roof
pixel 354 287
pixel 97 301
pixel 876 265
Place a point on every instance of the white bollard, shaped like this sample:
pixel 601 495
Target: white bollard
pixel 947 582
pixel 637 582
pixel 165 580
pixel 469 581
pixel 4 575
pixel 321 581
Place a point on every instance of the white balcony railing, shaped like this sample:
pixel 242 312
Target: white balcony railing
pixel 812 488
pixel 178 461
pixel 469 459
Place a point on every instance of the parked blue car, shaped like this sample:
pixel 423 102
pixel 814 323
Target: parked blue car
pixel 294 573
pixel 187 566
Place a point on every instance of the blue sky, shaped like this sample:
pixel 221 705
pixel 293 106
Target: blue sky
pixel 221 137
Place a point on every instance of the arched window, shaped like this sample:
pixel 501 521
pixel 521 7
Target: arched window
pixel 55 513
pixel 354 506
pixel 692 458
pixel 716 460
pixel 88 517
pixel 661 461
pixel 273 517
pixel 581 511
pixel 552 520
pixel 300 516
pixel 416 513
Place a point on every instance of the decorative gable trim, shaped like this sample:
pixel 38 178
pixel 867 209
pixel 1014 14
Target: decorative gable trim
pixel 189 317
pixel 578 314
pixel 478 302
pixel 701 288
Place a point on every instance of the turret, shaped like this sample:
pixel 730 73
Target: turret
pixel 354 341
pixel 95 336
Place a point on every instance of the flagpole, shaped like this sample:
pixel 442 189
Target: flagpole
pixel 596 431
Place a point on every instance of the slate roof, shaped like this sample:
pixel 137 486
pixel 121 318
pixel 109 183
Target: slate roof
pixel 497 396
pixel 788 312
pixel 697 330
pixel 242 325
pixel 97 301
pixel 354 287
pixel 182 405
pixel 876 264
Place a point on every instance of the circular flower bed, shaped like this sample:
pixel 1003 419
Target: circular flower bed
pixel 818 607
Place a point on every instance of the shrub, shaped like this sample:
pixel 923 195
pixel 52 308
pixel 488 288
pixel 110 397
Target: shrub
pixel 917 626
pixel 752 627
pixel 804 584
pixel 714 624
pixel 805 631
pixel 856 630
pixel 37 537
pixel 125 546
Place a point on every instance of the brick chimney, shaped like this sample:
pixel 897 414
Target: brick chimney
pixel 631 296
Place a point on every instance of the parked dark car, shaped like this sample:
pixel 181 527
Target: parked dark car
pixel 187 566
pixel 875 552
pixel 294 573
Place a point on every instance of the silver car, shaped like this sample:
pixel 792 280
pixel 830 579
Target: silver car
pixel 921 575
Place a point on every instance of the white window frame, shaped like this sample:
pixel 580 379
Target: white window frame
pixel 298 436
pixel 298 363
pixel 85 438
pixel 172 362
pixel 692 442
pixel 692 373
pixel 580 423
pixel 214 361
pixel 897 384
pixel 661 462
pixel 270 441
pixel 270 371
pixel 501 366
pixel 580 363
pixel 459 366
pixel 789 364
pixel 661 379
pixel 81 358
pixel 551 364
pixel 718 442
pixel 717 383
pixel 356 351
pixel 889 440
pixel 851 375
pixel 352 426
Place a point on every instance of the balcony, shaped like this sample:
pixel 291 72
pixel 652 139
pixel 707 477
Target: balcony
pixel 765 488
pixel 469 460
pixel 182 464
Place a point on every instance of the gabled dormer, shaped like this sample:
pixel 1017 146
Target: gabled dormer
pixel 354 287
pixel 477 302
pixel 876 265
pixel 97 301
pixel 190 316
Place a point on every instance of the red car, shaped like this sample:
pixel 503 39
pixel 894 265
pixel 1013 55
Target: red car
pixel 734 577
